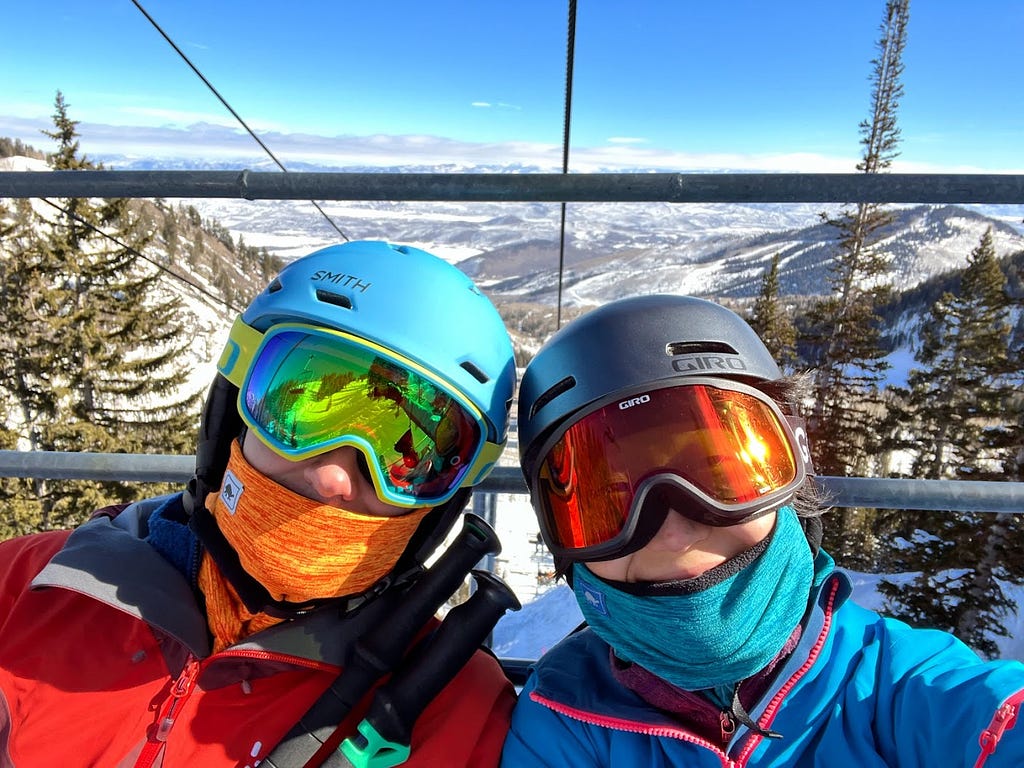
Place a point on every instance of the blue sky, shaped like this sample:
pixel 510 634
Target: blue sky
pixel 677 84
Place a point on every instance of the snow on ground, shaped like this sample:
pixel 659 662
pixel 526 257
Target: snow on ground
pixel 528 633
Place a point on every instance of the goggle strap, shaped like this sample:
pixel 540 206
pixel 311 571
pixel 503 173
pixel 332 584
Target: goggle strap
pixel 241 346
pixel 799 427
pixel 488 457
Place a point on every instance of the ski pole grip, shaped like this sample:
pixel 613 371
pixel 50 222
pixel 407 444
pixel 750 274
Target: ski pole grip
pixel 386 732
pixel 462 632
pixel 384 645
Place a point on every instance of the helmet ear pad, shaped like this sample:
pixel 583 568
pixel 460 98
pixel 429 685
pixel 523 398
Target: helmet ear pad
pixel 220 425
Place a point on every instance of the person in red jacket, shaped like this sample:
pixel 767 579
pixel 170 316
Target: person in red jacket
pixel 197 629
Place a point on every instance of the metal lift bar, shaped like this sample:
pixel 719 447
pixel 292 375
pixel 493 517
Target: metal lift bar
pixel 527 187
pixel 868 492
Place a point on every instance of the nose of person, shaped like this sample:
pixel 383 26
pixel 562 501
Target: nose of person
pixel 678 532
pixel 334 476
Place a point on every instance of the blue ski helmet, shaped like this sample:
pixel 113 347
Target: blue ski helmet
pixel 400 298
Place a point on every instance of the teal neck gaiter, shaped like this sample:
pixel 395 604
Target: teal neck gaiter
pixel 712 636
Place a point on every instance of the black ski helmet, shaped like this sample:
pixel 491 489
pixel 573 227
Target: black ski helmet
pixel 629 343
pixel 401 298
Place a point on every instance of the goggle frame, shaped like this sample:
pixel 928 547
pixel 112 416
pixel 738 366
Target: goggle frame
pixel 244 346
pixel 709 510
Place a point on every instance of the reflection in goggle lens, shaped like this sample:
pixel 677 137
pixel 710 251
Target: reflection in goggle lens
pixel 727 444
pixel 307 393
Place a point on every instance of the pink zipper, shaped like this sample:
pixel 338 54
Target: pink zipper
pixel 1004 719
pixel 678 733
pixel 631 726
pixel 773 706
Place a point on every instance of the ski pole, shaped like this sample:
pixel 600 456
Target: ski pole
pixel 382 647
pixel 384 736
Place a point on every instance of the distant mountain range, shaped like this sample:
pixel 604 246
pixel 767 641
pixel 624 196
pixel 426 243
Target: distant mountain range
pixel 922 242
pixel 514 248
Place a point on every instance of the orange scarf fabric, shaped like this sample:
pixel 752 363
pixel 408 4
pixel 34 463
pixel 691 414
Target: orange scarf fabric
pixel 299 549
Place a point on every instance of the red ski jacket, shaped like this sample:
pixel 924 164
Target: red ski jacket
pixel 105 662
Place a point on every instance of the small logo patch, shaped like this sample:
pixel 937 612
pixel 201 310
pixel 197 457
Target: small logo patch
pixel 231 491
pixel 594 598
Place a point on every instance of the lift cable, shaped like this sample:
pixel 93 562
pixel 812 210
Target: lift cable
pixel 230 109
pixel 569 59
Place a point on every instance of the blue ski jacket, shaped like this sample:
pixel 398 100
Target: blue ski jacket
pixel 859 690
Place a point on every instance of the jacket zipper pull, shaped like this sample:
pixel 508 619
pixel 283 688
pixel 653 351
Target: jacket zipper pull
pixel 1004 718
pixel 180 691
pixel 728 725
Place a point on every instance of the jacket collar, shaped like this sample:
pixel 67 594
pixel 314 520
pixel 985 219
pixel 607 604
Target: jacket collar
pixel 584 656
pixel 108 559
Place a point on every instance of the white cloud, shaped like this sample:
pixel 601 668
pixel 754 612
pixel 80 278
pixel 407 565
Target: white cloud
pixel 172 117
pixel 212 141
pixel 497 105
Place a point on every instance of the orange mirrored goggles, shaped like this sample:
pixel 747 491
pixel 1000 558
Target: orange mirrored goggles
pixel 715 450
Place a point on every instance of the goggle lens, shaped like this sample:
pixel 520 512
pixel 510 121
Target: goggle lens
pixel 309 391
pixel 728 447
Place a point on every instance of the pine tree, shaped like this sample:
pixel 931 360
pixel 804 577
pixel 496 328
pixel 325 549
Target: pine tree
pixel 15 229
pixel 958 394
pixel 94 366
pixel 772 322
pixel 848 327
pixel 845 327
pixel 1008 440
pixel 956 402
pixel 16 148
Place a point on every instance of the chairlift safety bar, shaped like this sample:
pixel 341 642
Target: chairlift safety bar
pixel 936 188
pixel 867 492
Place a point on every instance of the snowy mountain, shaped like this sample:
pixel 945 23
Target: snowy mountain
pixel 512 250
pixel 611 249
pixel 615 249
pixel 726 257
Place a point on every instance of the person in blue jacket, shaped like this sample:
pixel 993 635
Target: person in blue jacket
pixel 671 477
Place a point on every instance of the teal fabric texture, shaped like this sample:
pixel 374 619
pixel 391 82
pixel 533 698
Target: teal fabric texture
pixel 712 637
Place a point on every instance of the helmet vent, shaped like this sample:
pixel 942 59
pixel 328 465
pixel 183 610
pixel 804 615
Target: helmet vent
pixel 475 372
pixel 674 348
pixel 560 388
pixel 275 286
pixel 334 298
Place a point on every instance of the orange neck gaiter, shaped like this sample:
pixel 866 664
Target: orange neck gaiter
pixel 297 548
